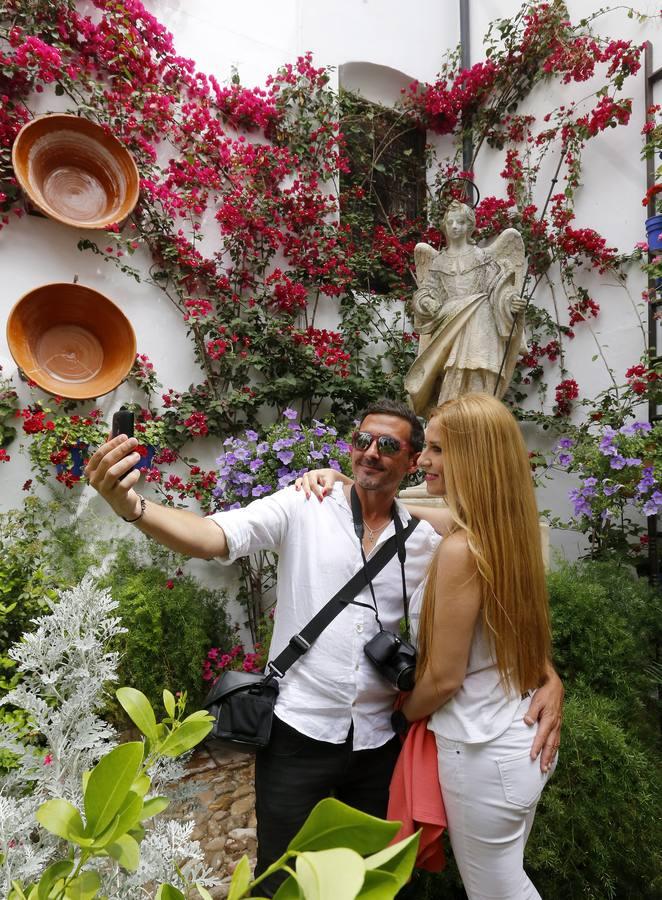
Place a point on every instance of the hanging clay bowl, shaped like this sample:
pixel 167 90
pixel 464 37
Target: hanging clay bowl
pixel 70 340
pixel 74 172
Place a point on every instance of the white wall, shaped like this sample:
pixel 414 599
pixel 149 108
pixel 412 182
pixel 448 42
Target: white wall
pixel 256 37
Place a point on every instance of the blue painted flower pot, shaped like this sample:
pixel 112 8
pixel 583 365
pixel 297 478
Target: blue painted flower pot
pixel 146 461
pixel 77 461
pixel 654 232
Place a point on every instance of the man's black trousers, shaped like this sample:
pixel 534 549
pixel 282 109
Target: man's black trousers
pixel 295 772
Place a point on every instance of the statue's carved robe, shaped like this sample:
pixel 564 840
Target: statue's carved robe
pixel 462 312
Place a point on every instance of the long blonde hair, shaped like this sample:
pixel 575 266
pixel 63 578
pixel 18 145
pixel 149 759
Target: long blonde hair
pixel 490 496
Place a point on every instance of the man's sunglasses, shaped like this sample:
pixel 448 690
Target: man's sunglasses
pixel 386 443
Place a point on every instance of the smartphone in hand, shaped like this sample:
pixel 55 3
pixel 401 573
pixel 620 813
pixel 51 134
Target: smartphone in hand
pixel 122 424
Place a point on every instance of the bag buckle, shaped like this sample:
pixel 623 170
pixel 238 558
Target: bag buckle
pixel 299 643
pixel 274 673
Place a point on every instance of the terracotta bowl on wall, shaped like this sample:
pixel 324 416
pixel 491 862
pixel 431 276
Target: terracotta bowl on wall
pixel 71 340
pixel 74 172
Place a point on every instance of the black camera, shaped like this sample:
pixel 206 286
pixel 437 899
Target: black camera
pixel 394 658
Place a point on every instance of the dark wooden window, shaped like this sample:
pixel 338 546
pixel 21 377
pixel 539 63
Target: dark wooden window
pixel 387 161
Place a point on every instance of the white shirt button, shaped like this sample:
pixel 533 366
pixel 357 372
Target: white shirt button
pixel 359 628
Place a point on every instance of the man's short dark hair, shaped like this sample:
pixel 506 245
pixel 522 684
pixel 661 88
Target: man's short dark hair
pixel 386 407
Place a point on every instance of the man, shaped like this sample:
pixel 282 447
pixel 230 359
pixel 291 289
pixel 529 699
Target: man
pixel 332 732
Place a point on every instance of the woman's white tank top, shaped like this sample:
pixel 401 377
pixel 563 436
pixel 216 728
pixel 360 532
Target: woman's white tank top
pixel 481 710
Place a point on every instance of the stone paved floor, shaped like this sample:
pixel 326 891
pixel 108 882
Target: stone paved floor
pixel 223 807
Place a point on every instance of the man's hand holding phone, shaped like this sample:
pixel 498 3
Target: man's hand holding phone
pixel 111 470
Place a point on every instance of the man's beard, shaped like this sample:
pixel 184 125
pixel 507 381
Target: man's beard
pixel 368 477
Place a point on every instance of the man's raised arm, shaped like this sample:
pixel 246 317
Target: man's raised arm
pixel 180 530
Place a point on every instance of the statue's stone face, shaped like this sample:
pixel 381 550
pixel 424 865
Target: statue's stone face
pixel 457 225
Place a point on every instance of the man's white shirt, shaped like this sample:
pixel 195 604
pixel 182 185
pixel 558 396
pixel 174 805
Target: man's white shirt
pixel 334 683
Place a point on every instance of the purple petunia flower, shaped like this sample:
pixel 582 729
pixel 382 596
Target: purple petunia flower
pixel 290 414
pixel 283 443
pixel 261 489
pixel 609 489
pixel 580 503
pixel 285 456
pixel 647 480
pixel 617 462
pixel 632 461
pixel 565 443
pixel 255 464
pixel 565 459
pixel 252 436
pixel 634 427
pixel 653 506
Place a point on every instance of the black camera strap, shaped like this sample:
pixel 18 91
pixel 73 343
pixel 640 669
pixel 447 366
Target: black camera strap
pixel 357 515
pixel 300 643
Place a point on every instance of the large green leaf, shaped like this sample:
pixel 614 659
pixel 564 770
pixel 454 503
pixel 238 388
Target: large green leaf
pixel 168 892
pixel 85 887
pixel 61 818
pixel 126 819
pixel 241 878
pixel 330 874
pixel 109 784
pixel 141 784
pixel 52 875
pixel 289 890
pixel 169 703
pixel 398 860
pixel 334 824
pixel 185 737
pixel 139 710
pixel 153 807
pixel 126 851
pixel 378 886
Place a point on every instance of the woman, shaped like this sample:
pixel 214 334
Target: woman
pixel 483 640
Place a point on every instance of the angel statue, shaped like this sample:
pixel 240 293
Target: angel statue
pixel 467 300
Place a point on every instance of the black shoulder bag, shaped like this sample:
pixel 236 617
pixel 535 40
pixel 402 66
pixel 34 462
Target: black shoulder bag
pixel 242 703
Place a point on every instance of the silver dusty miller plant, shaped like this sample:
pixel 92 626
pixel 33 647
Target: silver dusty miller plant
pixel 66 667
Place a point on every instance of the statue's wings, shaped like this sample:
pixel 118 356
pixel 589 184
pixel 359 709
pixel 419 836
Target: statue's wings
pixel 423 256
pixel 508 250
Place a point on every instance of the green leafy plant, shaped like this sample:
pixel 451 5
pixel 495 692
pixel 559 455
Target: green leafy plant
pixel 115 803
pixel 605 623
pixel 8 408
pixel 170 622
pixel 597 833
pixel 620 470
pixel 61 443
pixel 339 854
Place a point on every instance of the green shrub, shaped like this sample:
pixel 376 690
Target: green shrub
pixel 597 833
pixel 171 623
pixel 605 624
pixel 26 579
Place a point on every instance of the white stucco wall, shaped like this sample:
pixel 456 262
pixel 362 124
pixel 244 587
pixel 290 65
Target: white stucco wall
pixel 257 36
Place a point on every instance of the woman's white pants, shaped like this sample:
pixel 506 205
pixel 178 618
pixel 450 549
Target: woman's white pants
pixel 490 792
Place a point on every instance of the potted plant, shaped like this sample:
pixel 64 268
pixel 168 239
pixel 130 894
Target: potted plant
pixel 62 443
pixel 151 431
